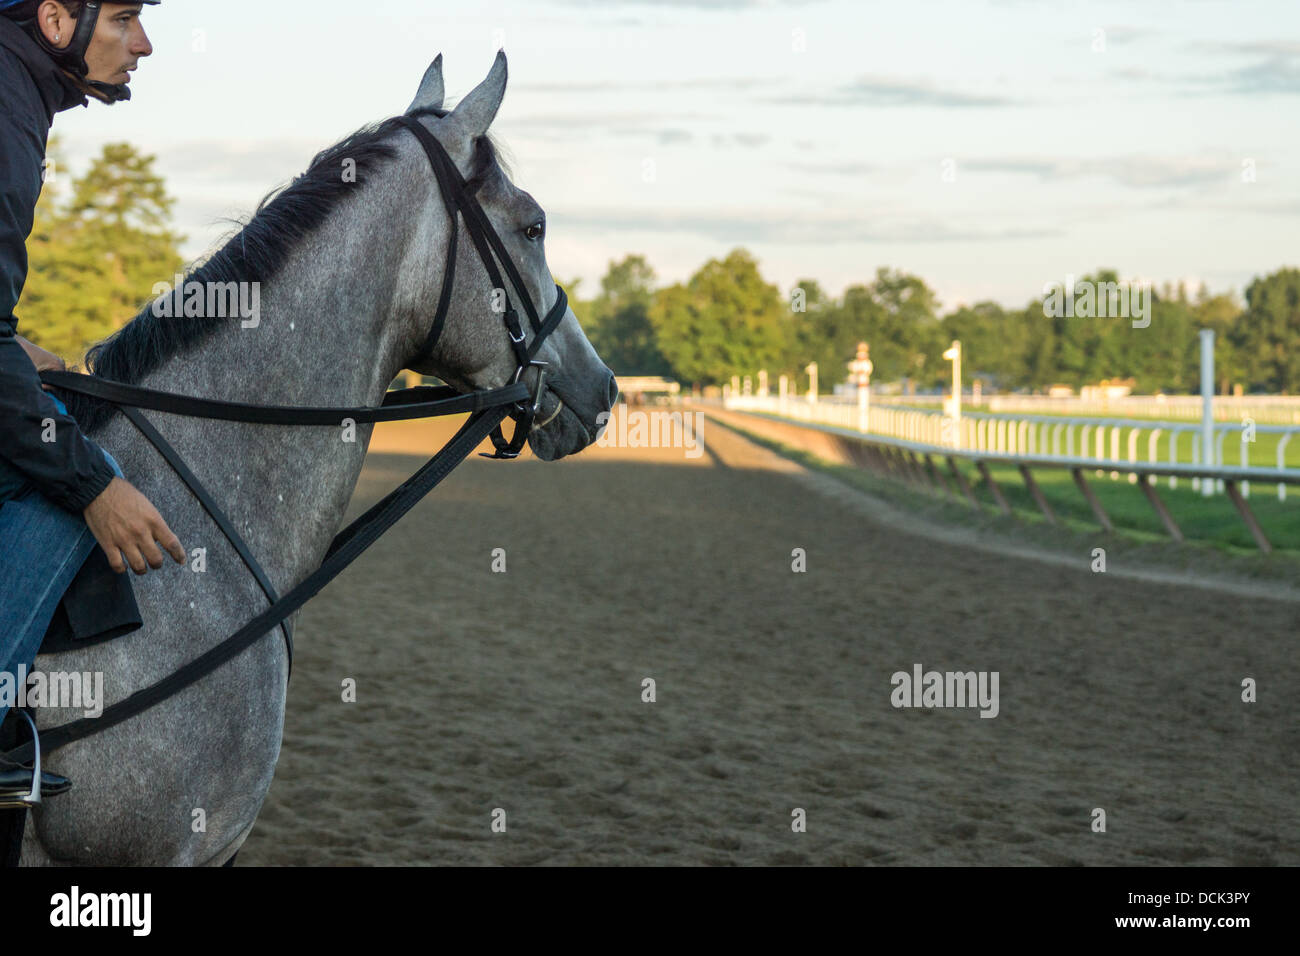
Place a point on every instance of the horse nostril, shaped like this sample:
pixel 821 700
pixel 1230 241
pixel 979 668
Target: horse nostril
pixel 613 391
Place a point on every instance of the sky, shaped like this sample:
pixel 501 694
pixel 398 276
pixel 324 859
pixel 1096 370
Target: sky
pixel 988 146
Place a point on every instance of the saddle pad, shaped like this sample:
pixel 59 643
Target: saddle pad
pixel 98 606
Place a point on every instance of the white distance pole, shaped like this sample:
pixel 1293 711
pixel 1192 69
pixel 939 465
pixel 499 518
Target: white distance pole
pixel 954 355
pixel 1207 408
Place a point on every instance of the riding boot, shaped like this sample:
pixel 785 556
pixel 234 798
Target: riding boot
pixel 23 786
pixel 16 787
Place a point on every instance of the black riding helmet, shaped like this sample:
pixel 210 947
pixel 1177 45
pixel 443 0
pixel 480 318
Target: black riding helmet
pixel 72 57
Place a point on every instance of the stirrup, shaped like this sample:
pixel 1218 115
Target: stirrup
pixel 33 798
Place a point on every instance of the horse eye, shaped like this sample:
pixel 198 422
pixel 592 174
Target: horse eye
pixel 535 231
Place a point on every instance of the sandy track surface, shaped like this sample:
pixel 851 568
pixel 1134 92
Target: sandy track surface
pixel 523 691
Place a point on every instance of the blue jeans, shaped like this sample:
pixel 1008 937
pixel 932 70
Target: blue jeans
pixel 42 547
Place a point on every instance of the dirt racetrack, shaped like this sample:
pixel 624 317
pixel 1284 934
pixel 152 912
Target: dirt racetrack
pixel 523 690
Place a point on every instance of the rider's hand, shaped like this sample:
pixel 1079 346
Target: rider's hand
pixel 124 522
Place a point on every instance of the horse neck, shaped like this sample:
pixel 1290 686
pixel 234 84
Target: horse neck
pixel 326 335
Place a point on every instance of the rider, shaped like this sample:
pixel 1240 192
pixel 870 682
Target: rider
pixel 60 493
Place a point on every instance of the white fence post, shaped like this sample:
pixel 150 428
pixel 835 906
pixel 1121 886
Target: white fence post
pixel 1207 406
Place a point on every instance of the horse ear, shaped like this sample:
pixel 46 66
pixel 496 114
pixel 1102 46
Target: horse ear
pixel 477 110
pixel 431 89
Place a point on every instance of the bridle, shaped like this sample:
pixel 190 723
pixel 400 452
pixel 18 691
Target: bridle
pixel 487 408
pixel 459 199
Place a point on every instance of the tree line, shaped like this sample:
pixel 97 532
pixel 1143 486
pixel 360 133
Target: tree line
pixel 726 320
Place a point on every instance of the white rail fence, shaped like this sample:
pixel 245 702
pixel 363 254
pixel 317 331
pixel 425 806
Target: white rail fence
pixel 911 451
pixel 1265 409
pixel 1068 440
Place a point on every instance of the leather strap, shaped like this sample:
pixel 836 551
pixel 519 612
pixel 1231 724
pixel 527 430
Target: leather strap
pixel 399 405
pixel 457 197
pixel 449 269
pixel 213 509
pixel 355 539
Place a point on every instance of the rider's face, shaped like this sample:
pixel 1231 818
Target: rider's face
pixel 118 44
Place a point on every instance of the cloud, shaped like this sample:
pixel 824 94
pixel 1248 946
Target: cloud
pixel 894 91
pixel 1276 68
pixel 690 4
pixel 667 137
pixel 740 84
pixel 781 227
pixel 1250 47
pixel 834 169
pixel 1138 172
pixel 568 127
pixel 665 129
pixel 1278 74
pixel 1137 74
pixel 672 136
pixel 1124 35
pixel 746 140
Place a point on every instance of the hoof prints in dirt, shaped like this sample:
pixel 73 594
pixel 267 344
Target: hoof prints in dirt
pixel 522 691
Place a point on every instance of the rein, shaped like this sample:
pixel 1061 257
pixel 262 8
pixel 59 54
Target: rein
pixel 488 409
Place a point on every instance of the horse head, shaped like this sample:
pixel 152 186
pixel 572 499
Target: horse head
pixel 473 349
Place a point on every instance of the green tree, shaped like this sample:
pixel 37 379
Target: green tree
pixel 726 320
pixel 826 333
pixel 1222 313
pixel 621 330
pixel 1161 357
pixel 988 351
pixel 94 260
pixel 897 315
pixel 1266 335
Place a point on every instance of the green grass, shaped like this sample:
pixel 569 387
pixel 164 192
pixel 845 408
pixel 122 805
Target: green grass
pixel 1212 520
pixel 1260 453
pixel 985 409
pixel 1214 532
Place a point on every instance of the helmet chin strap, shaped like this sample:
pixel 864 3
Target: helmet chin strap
pixel 104 92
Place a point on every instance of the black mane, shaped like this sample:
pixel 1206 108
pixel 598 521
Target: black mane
pixel 283 218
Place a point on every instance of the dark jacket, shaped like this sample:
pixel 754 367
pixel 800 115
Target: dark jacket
pixel 71 470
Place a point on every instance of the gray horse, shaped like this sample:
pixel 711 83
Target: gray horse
pixel 350 259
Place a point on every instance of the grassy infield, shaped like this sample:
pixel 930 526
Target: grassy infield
pixel 1214 531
